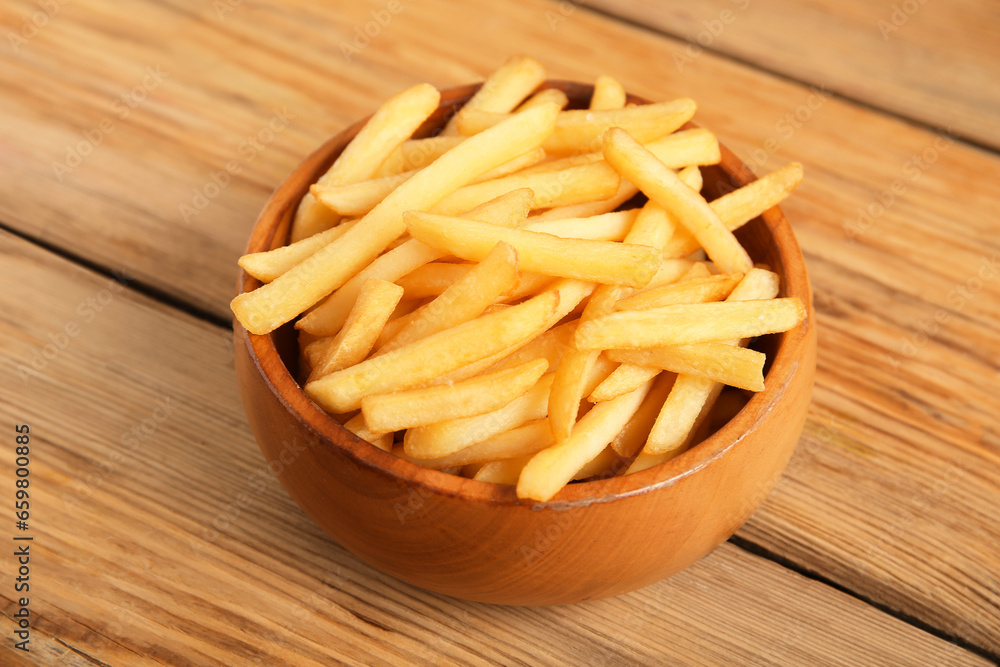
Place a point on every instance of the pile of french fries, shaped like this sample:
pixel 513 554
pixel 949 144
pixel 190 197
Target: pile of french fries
pixel 480 302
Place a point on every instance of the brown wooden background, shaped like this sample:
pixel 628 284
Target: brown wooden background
pixel 161 538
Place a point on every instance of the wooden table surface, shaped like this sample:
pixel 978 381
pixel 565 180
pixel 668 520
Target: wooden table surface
pixel 159 535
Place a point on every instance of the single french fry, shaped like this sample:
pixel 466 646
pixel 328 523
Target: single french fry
pixel 622 380
pixel 625 192
pixel 695 290
pixel 608 94
pixel 393 123
pixel 689 323
pixel 359 198
pixel 502 472
pixel 504 89
pixel 530 284
pixel 431 357
pixel 552 468
pixel 268 265
pixel 524 440
pixel 596 261
pixel 728 364
pixel 464 300
pixel 679 150
pixel 580 130
pixel 632 437
pixel 740 206
pixel 420 407
pixel 268 307
pixel 604 465
pixel 613 226
pixel 509 209
pixel 553 95
pixel 371 311
pixel 416 154
pixel 662 185
pixel 592 182
pixel 431 279
pixel 671 270
pixel 358 427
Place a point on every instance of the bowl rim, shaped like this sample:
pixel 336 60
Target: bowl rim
pixel 264 354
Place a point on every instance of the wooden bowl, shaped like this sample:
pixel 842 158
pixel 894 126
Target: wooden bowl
pixel 477 540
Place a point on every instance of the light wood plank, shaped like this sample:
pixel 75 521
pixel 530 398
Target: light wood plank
pixel 177 546
pixel 934 62
pixel 897 421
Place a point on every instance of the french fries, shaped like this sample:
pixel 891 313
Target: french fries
pixel 538 294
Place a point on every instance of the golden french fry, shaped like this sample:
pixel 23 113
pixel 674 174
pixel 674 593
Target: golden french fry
pixel 552 468
pixel 662 185
pixel 553 95
pixel 358 427
pixel 740 206
pixel 633 436
pixel 671 270
pixel 622 380
pixel 268 265
pixel 728 364
pixel 393 123
pixel 689 323
pixel 465 300
pixel 359 198
pixel 416 154
pixel 596 261
pixel 524 440
pixel 268 307
pixel 431 357
pixel 613 226
pixel 580 130
pixel 431 279
pixel 604 465
pixel 608 94
pixel 678 150
pixel 625 192
pixel 694 290
pixel 508 209
pixel 592 182
pixel 504 89
pixel 502 472
pixel 375 304
pixel 475 396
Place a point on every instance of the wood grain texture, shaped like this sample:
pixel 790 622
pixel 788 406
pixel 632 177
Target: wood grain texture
pixel 935 62
pixel 162 537
pixel 893 493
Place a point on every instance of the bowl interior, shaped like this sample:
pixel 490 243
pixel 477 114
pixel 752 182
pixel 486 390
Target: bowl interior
pixel 768 239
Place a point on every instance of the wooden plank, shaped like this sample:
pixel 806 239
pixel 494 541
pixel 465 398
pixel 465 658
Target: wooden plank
pixel 936 63
pixel 887 421
pixel 160 537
